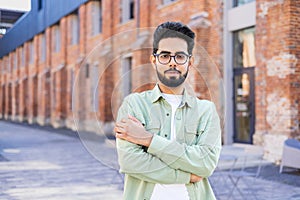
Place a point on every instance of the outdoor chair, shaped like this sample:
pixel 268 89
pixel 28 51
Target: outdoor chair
pixel 220 177
pixel 291 154
pixel 244 176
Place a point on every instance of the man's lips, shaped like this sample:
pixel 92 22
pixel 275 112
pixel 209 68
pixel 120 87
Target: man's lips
pixel 172 72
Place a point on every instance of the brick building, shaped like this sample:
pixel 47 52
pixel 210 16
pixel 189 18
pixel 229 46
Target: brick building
pixel 71 65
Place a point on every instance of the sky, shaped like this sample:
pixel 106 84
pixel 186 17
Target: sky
pixel 23 5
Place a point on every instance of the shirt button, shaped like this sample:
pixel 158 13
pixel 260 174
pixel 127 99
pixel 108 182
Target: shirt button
pixel 166 135
pixel 168 114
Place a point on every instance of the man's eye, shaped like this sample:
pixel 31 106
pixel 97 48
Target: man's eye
pixel 165 56
pixel 180 56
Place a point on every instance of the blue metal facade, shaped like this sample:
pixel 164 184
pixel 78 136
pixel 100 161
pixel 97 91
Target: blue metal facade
pixel 43 14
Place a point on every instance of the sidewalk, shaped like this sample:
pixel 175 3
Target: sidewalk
pixel 37 165
pixel 269 184
pixel 40 163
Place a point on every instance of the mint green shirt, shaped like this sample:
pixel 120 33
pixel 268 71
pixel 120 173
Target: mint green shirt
pixel 196 149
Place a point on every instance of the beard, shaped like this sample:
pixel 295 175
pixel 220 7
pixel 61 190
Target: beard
pixel 172 81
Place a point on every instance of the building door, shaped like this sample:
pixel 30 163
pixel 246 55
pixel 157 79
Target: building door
pixel 244 104
pixel 244 61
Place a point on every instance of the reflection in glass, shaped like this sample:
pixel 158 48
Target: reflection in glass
pixel 241 2
pixel 242 107
pixel 244 48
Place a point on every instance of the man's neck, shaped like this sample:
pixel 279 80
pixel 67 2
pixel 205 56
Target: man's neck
pixel 171 90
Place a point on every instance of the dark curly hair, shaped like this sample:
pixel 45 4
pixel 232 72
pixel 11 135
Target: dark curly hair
pixel 173 30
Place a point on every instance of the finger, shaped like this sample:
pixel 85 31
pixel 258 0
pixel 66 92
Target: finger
pixel 119 129
pixel 134 119
pixel 120 124
pixel 124 120
pixel 118 135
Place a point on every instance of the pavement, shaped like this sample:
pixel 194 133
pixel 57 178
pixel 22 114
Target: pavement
pixel 43 163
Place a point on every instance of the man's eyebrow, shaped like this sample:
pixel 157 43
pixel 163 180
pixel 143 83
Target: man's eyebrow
pixel 168 52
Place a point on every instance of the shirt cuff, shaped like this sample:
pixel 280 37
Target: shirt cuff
pixel 183 177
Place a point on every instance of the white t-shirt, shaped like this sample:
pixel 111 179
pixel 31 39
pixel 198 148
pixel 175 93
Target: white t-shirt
pixel 171 191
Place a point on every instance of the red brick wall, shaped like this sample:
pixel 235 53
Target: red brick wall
pixel 277 71
pixel 294 47
pixel 53 83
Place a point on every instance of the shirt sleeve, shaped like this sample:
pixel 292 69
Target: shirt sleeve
pixel 135 161
pixel 200 159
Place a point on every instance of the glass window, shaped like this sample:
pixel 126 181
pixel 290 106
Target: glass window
pixel 31 52
pixel 56 38
pixel 75 29
pixel 54 89
pixel 94 88
pixel 168 1
pixel 40 4
pixel 87 70
pixel 244 48
pixel 241 2
pixel 4 64
pixel 127 10
pixel 22 56
pixel 96 17
pixel 72 75
pixel 126 76
pixel 2 31
pixel 9 65
pixel 43 48
pixel 15 60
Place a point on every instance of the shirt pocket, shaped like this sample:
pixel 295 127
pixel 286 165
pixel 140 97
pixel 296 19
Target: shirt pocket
pixel 192 134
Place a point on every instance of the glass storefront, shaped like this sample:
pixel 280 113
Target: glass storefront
pixel 243 66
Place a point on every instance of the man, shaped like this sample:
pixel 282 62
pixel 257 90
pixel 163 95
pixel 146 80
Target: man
pixel 168 142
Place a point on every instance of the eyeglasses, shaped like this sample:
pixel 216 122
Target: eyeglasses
pixel 165 58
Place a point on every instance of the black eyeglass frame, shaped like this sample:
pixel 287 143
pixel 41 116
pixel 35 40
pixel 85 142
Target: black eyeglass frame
pixel 174 57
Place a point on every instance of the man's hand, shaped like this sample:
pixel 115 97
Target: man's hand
pixel 132 130
pixel 195 178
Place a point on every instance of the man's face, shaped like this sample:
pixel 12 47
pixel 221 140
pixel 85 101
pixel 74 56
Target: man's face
pixel 172 71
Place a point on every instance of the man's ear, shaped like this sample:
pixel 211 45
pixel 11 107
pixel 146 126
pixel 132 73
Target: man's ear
pixel 153 60
pixel 191 61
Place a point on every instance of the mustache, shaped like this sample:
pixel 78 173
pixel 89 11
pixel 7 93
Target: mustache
pixel 172 70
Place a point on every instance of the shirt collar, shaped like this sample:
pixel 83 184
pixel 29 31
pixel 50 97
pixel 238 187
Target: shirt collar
pixel 157 95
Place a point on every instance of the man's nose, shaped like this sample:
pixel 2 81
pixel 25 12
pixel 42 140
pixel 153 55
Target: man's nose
pixel 172 62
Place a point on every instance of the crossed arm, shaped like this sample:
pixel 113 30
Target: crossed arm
pixel 165 161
